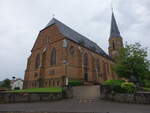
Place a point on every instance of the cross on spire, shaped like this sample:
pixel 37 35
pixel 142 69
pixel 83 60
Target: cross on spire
pixel 111 6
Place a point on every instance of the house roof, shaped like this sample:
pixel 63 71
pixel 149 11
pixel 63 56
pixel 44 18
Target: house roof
pixel 114 31
pixel 76 37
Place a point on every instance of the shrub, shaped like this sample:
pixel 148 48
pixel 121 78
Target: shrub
pixel 128 87
pixel 146 83
pixel 75 83
pixel 118 89
pixel 146 89
pixel 115 84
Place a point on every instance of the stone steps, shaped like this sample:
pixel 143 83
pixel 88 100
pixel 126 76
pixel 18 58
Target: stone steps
pixel 86 92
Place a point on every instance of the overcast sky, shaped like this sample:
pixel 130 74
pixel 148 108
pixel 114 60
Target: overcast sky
pixel 21 21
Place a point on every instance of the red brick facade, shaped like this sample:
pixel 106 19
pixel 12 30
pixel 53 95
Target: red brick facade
pixel 54 57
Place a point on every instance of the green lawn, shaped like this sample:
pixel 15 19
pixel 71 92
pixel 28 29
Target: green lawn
pixel 40 90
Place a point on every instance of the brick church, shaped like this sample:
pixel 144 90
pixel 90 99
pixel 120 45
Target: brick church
pixel 61 54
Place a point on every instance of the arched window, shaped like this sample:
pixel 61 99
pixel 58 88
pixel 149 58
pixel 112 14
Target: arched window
pixel 85 60
pixel 85 63
pixel 37 61
pixel 104 71
pixel 53 57
pixel 107 65
pixel 93 63
pixel 98 66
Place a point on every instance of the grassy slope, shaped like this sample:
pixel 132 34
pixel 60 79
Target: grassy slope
pixel 38 90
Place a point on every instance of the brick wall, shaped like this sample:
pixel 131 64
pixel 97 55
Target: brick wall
pixel 69 61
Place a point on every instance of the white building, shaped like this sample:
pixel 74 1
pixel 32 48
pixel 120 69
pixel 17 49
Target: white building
pixel 17 84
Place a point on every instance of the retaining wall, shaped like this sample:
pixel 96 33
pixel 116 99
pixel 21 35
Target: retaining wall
pixel 138 97
pixel 28 97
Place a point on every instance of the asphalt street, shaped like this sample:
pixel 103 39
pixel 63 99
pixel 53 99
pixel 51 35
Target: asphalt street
pixel 73 105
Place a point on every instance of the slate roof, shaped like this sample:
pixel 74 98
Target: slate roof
pixel 76 37
pixel 114 31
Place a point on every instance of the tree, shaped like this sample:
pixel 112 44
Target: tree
pixel 6 84
pixel 132 63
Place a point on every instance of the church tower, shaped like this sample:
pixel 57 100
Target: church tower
pixel 115 39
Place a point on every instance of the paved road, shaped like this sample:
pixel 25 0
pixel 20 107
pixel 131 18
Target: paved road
pixel 100 106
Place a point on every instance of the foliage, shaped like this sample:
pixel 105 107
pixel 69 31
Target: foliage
pixel 146 89
pixel 118 89
pixel 75 83
pixel 40 90
pixel 1 82
pixel 6 84
pixel 146 83
pixel 128 87
pixel 147 75
pixel 132 61
pixel 120 86
pixel 115 84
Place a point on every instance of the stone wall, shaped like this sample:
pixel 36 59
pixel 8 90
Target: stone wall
pixel 138 97
pixel 29 97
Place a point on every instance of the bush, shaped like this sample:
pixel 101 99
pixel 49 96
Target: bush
pixel 128 87
pixel 75 83
pixel 115 85
pixel 146 83
pixel 113 82
pixel 146 89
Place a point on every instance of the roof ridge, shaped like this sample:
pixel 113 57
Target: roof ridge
pixel 76 31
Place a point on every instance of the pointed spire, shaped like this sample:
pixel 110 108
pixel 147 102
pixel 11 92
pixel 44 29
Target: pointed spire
pixel 114 31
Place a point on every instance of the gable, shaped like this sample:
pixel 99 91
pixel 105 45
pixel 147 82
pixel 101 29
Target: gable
pixel 47 36
pixel 76 37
